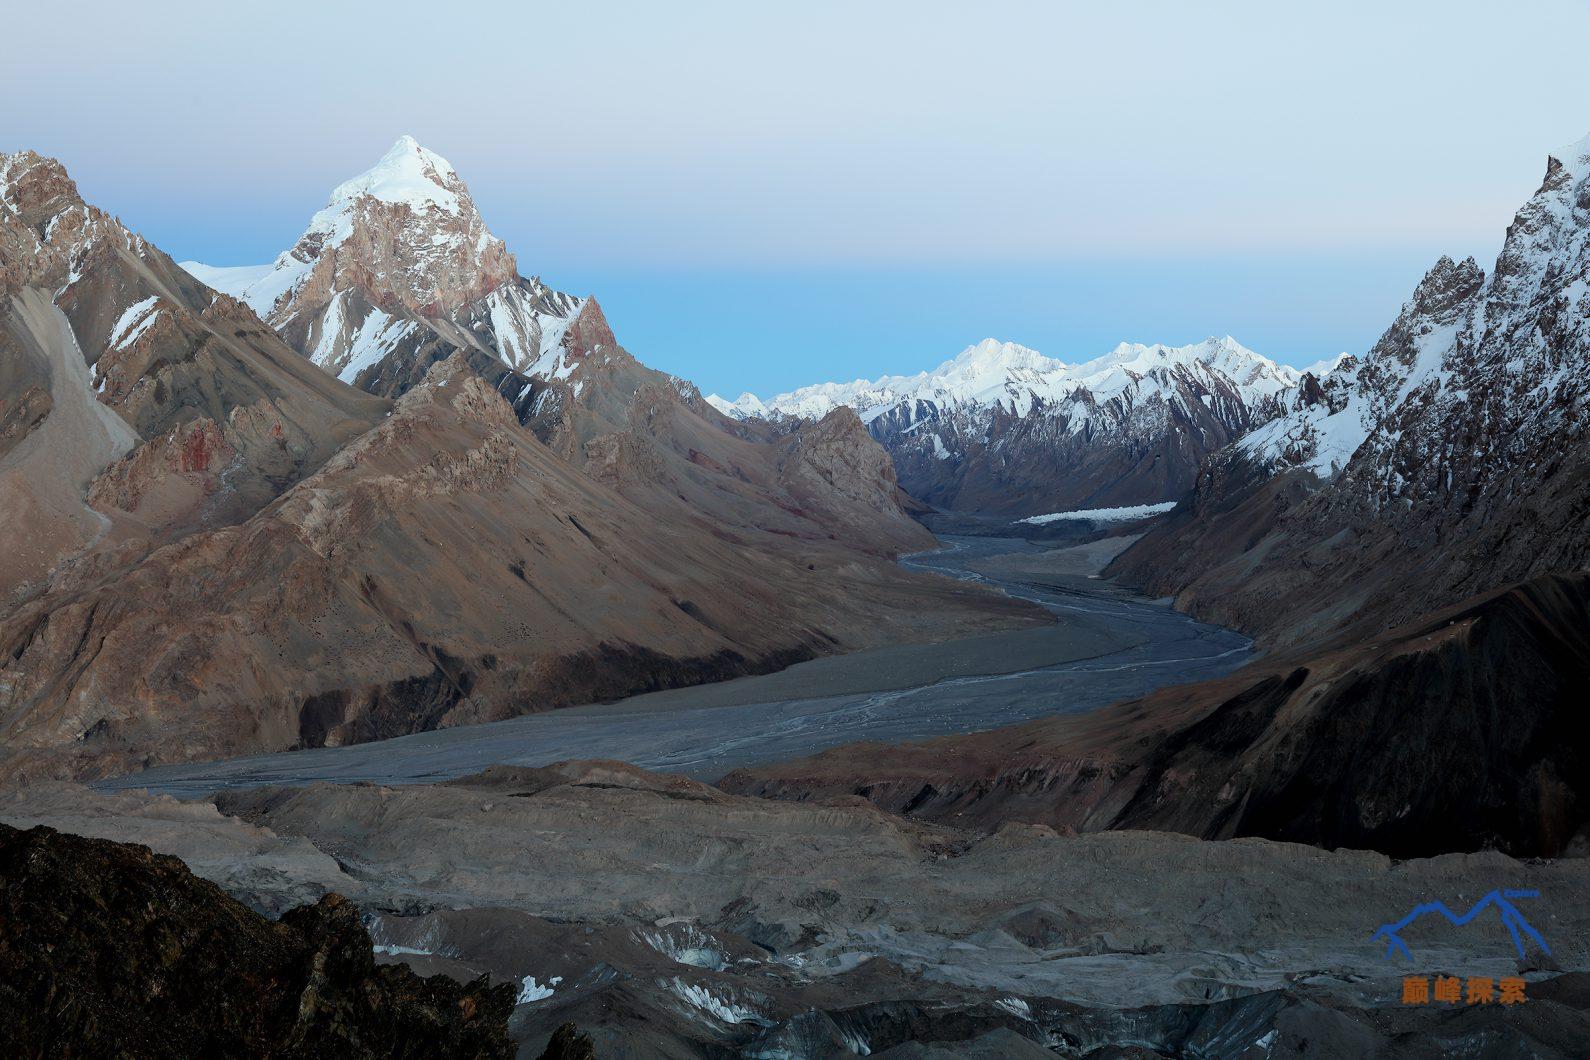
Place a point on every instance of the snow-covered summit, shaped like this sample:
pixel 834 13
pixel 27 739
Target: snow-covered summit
pixel 1322 368
pixel 745 405
pixel 408 173
pixel 405 231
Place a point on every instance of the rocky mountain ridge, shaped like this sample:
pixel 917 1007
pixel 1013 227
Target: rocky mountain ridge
pixel 113 360
pixel 1451 459
pixel 554 357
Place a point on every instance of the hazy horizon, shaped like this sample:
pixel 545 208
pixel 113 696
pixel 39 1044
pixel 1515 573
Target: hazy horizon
pixel 928 181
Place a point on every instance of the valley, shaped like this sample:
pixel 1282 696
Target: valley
pixel 1103 647
pixel 376 606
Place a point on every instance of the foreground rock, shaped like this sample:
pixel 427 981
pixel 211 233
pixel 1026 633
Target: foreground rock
pixel 1462 731
pixel 108 949
pixel 667 918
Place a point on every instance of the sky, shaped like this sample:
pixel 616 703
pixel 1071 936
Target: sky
pixel 765 195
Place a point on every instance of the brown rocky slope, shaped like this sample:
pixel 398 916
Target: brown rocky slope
pixel 123 378
pixel 445 568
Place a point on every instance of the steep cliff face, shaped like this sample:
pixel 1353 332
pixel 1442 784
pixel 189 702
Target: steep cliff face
pixel 1453 458
pixel 108 949
pixel 1003 429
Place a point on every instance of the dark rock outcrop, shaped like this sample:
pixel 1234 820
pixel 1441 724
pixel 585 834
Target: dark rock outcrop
pixel 108 949
pixel 569 1043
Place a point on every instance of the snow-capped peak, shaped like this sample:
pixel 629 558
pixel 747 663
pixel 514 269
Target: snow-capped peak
pixel 746 405
pixel 1321 369
pixel 408 173
pixel 397 254
pixel 437 221
pixel 993 354
pixel 992 372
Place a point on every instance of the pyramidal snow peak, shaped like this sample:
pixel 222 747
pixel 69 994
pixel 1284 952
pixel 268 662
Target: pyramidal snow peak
pixel 398 261
pixel 408 173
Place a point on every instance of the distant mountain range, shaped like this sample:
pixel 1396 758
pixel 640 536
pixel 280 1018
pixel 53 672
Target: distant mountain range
pixel 1002 428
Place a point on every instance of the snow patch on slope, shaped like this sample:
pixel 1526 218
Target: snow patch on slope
pixel 134 321
pixel 724 1010
pixel 1103 515
pixel 530 990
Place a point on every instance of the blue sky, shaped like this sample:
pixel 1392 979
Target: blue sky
pixel 764 195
